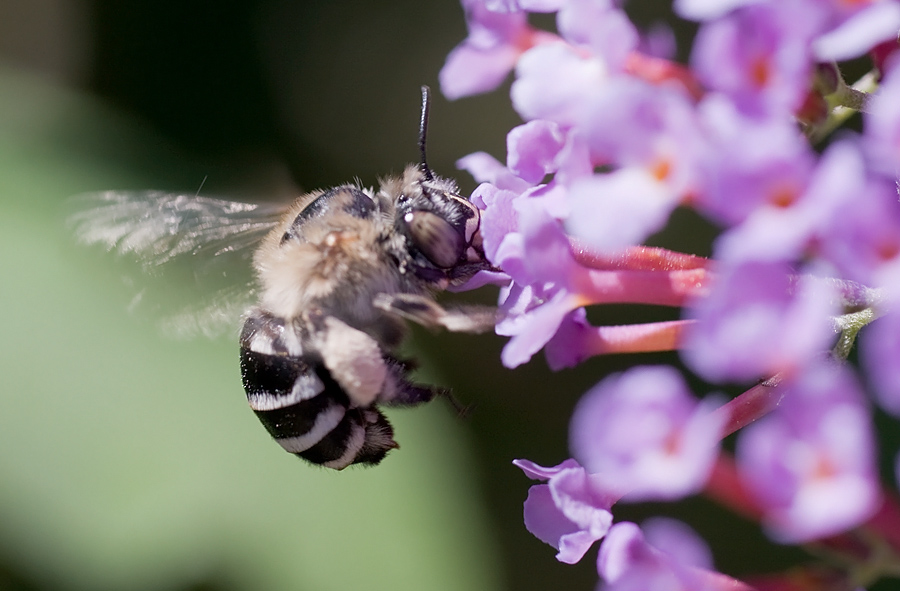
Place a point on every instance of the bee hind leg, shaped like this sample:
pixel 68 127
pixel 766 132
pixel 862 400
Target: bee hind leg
pixel 400 391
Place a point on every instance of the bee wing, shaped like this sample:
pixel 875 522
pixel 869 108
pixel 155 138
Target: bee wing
pixel 210 242
pixel 159 227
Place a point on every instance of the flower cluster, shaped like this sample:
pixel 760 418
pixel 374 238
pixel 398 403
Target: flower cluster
pixel 615 138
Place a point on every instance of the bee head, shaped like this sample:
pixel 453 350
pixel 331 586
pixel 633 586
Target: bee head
pixel 441 228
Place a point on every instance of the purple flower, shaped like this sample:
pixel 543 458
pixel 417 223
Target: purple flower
pixel 572 342
pixel 850 29
pixel 548 283
pixel 612 211
pixel 861 234
pixel 484 168
pixel 499 219
pixel 554 82
pixel 522 237
pixel 645 434
pixel 627 562
pixel 537 256
pixel 495 42
pixel 613 142
pixel 759 321
pixel 758 55
pixel 800 226
pixel 879 353
pixel 658 41
pixel 700 10
pixel 635 123
pixel 811 463
pixel 796 31
pixel 540 148
pixel 528 5
pixel 678 540
pixel 570 512
pixel 649 134
pixel 748 163
pixel 535 252
pixel 538 252
pixel 598 26
pixel 882 124
pixel 531 321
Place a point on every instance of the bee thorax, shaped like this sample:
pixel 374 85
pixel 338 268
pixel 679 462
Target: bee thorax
pixel 328 265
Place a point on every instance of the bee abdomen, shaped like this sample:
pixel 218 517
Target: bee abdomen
pixel 303 408
pixel 364 436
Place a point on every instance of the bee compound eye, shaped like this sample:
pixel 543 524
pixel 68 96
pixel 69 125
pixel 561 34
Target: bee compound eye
pixel 435 237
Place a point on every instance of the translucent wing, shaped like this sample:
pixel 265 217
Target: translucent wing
pixel 178 239
pixel 158 227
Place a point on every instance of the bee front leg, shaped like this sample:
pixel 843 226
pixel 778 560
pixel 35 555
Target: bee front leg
pixel 425 311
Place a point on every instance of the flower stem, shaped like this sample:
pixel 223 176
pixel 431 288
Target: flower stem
pixel 846 102
pixel 751 405
pixel 637 338
pixel 849 326
pixel 637 258
pixel 660 288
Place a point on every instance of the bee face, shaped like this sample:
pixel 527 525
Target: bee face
pixel 335 275
pixel 439 226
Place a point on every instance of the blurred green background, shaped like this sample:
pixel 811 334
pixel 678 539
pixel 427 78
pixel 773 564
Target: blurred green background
pixel 128 461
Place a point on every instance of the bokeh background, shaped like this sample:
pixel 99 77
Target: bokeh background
pixel 130 461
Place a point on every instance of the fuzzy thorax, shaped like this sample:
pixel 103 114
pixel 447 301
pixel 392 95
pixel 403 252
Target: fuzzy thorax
pixel 337 262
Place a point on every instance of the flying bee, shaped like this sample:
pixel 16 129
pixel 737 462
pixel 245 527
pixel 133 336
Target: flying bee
pixel 335 274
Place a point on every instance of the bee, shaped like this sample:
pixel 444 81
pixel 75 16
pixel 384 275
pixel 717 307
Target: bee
pixel 335 274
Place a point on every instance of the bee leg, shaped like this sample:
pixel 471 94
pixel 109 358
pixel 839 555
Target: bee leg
pixel 399 391
pixel 462 410
pixel 425 311
pixel 353 358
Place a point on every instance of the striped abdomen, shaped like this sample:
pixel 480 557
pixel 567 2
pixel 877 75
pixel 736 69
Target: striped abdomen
pixel 301 405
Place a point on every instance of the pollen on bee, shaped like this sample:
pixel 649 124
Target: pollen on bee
pixel 340 238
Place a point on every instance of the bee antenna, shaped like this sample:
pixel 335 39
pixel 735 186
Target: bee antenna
pixel 423 131
pixel 203 182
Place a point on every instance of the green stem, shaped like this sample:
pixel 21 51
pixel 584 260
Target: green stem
pixel 849 326
pixel 845 102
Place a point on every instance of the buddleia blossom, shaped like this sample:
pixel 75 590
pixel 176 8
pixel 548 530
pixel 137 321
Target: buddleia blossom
pixel 629 562
pixel 613 140
pixel 644 434
pixel 497 38
pixel 811 462
pixel 759 321
pixel 571 511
